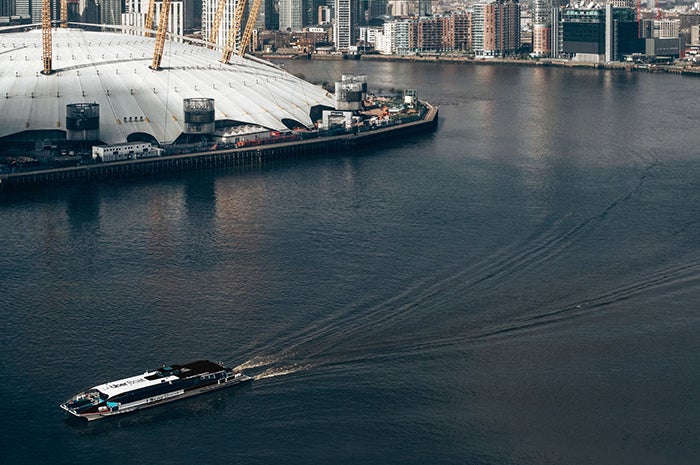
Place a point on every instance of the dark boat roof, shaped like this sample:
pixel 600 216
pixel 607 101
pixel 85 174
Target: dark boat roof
pixel 187 370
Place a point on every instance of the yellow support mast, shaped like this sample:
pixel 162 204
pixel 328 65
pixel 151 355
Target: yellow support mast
pixel 218 16
pixel 149 17
pixel 160 35
pixel 234 31
pixel 252 17
pixel 64 13
pixel 47 52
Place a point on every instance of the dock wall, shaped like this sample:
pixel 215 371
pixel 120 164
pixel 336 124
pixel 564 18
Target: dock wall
pixel 321 146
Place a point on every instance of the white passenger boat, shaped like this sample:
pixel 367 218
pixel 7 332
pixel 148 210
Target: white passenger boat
pixel 165 384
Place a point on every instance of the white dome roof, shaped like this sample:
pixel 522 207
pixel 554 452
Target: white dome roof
pixel 112 69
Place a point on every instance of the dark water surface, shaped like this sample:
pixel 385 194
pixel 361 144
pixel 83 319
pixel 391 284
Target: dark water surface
pixel 519 288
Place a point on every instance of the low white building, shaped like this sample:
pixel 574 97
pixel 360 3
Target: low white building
pixel 125 151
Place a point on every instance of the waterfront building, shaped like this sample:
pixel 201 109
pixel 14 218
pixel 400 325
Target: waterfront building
pixel 496 28
pixel 599 33
pixel 368 34
pixel 671 47
pixel 429 34
pixel 544 31
pixel 459 31
pixel 402 42
pixel 395 38
pixel 110 71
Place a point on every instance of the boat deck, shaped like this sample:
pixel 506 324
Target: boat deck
pixel 187 370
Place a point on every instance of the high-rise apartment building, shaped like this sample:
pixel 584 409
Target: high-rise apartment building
pixel 136 11
pixel 496 28
pixel 208 15
pixel 291 15
pixel 544 18
pixel 110 12
pixel 429 34
pixel 458 31
pixel 345 24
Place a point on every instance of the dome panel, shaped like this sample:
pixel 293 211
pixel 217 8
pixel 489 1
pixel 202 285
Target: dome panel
pixel 112 70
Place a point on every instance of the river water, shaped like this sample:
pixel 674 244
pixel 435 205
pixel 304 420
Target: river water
pixel 520 287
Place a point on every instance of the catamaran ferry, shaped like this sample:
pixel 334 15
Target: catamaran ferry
pixel 165 384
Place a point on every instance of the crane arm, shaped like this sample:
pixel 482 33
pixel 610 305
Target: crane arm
pixel 252 17
pixel 160 35
pixel 234 31
pixel 47 52
pixel 149 17
pixel 218 16
pixel 64 13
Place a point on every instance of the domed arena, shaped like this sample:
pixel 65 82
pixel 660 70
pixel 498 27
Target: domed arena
pixel 109 73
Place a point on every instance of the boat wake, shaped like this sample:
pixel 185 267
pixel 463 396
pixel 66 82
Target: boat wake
pixel 281 371
pixel 257 362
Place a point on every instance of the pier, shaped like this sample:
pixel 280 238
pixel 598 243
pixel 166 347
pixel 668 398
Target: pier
pixel 213 159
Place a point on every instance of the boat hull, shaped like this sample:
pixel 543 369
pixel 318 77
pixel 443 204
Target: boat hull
pixel 94 404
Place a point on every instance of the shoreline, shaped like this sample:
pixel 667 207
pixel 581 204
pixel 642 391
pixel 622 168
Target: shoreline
pixel 546 62
pixel 256 155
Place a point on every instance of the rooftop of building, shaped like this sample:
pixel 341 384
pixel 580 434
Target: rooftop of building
pixel 113 70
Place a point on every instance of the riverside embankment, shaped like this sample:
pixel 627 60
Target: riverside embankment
pixel 319 146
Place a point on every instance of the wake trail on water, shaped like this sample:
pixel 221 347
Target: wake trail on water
pixel 660 282
pixel 534 251
pixel 368 328
pixel 339 347
pixel 281 371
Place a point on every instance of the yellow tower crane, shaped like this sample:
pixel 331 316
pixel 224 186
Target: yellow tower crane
pixel 47 51
pixel 218 16
pixel 160 35
pixel 149 17
pixel 64 13
pixel 234 31
pixel 252 17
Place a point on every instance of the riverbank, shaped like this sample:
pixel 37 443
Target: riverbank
pixel 617 65
pixel 318 146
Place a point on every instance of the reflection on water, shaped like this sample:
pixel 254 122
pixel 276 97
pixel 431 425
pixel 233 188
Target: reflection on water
pixel 517 288
pixel 221 402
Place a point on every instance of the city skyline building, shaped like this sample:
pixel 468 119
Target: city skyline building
pixel 291 15
pixel 136 11
pixel 208 14
pixel 110 12
pixel 7 8
pixel 345 23
pixel 496 28
pixel 599 33
pixel 544 32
